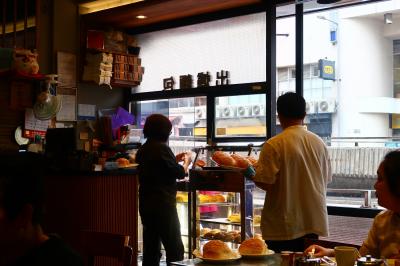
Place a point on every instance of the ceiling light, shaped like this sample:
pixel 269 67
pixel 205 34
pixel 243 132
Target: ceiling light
pixel 388 18
pixel 141 17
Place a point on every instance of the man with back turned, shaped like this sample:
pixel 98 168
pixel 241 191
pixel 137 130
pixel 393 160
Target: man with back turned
pixel 294 170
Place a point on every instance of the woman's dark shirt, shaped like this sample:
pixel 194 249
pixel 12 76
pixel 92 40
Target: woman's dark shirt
pixel 158 171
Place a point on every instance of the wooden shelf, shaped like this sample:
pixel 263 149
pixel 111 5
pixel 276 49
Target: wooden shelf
pixel 14 74
pixel 124 83
pixel 93 50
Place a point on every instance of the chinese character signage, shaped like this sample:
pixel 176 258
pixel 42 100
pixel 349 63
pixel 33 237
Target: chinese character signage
pixel 326 69
pixel 203 80
pixel 185 82
pixel 169 83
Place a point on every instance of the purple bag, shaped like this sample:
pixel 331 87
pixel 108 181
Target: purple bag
pixel 119 118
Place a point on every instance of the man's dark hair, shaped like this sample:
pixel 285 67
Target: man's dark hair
pixel 21 183
pixel 291 105
pixel 391 168
pixel 157 127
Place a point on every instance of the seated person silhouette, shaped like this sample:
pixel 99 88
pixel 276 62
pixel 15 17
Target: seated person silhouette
pixel 22 240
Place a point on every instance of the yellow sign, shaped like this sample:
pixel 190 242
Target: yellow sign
pixel 328 70
pixel 395 121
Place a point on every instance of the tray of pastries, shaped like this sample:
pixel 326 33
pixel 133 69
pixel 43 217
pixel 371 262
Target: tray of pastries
pixel 217 234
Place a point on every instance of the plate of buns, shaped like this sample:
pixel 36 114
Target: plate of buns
pixel 233 161
pixel 125 163
pixel 254 248
pixel 216 251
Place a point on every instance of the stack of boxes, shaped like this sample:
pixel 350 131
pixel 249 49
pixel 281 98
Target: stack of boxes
pixel 98 68
pixel 127 69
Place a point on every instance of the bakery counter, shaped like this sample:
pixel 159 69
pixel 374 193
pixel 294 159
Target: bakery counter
pixel 273 260
pixel 99 201
pixel 87 173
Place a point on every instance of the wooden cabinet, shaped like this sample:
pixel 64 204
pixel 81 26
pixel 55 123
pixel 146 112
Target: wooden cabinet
pixel 103 202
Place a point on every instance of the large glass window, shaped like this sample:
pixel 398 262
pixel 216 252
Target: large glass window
pixel 349 86
pixel 240 116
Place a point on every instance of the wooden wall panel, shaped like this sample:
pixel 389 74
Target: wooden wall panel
pixel 98 203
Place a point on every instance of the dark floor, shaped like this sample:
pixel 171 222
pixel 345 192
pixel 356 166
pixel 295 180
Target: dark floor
pixel 351 230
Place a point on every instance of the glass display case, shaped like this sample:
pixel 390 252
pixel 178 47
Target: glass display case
pixel 222 201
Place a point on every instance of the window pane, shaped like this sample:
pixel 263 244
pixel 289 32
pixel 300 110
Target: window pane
pixel 345 106
pixel 240 116
pixel 187 115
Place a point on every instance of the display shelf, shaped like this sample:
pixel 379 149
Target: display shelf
pixel 225 221
pixel 219 221
pixel 203 239
pixel 217 204
pixel 222 204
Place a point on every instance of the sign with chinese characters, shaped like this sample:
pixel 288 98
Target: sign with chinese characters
pixel 326 69
pixel 203 80
pixel 169 83
pixel 185 81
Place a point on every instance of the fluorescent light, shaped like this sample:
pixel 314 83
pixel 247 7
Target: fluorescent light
pixel 99 5
pixel 141 16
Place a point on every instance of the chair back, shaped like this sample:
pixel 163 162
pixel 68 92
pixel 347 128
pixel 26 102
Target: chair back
pixel 94 244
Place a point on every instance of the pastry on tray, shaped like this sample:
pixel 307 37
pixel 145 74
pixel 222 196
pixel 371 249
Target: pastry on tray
pixel 253 246
pixel 216 249
pixel 234 218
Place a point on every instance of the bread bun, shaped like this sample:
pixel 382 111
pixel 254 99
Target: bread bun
pixel 241 162
pixel 253 246
pixel 122 162
pixel 252 160
pixel 216 249
pixel 234 218
pixel 217 198
pixel 204 198
pixel 223 159
pixel 220 236
pixel 200 163
pixel 238 239
pixel 204 231
pixel 258 236
pixel 181 197
pixel 228 237
pixel 208 235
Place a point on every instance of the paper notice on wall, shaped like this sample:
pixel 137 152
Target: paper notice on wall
pixel 68 104
pixel 86 112
pixel 66 69
pixel 34 126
